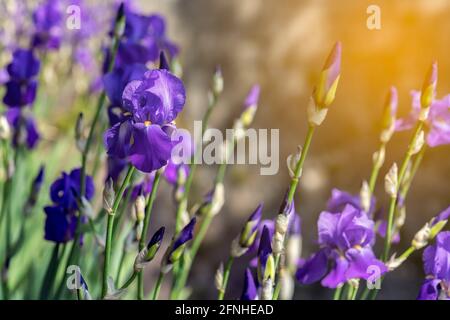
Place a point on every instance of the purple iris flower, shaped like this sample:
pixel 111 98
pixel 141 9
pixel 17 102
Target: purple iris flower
pixel 116 81
pixel 65 191
pixel 59 226
pixel 25 130
pixel 143 39
pixel 346 240
pixel 438 119
pixel 437 269
pixel 339 199
pixel 250 291
pixel 48 22
pixel 143 135
pixel 21 86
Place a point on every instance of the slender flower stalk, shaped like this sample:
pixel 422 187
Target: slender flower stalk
pixel 416 144
pixel 109 228
pixel 217 89
pixel 240 246
pixel 323 96
pixel 119 26
pixel 142 240
pixel 217 199
pixel 158 284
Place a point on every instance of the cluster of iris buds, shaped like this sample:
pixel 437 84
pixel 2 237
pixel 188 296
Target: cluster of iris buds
pixel 140 95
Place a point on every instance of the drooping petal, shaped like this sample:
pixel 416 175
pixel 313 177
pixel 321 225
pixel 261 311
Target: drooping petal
pixel 57 225
pixel 118 139
pixel 429 290
pixel 363 264
pixel 151 148
pixel 313 269
pixel 337 275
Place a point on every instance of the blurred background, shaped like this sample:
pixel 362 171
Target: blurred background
pixel 282 45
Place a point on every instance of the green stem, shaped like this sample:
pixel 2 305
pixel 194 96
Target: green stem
pixel 353 292
pixel 142 241
pixel 299 166
pixel 375 171
pixel 387 243
pixel 129 281
pixel 337 293
pixel 192 167
pixel 158 286
pixel 393 202
pixel 109 229
pixel 50 274
pixel 226 275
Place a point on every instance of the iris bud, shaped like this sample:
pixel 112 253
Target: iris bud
pixel 108 196
pixel 217 82
pixel 391 181
pixel 428 93
pixel 325 90
pixel 139 206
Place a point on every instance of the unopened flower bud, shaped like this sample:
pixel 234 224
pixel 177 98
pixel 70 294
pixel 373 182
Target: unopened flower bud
pixel 378 157
pixel 422 237
pixel 250 105
pixel 428 92
pixel 108 196
pixel 248 233
pixel 218 279
pixel 417 143
pixel 176 249
pixel 218 199
pixel 148 253
pixel 325 90
pixel 391 181
pixel 315 114
pixel 237 250
pixel 389 114
pixel 365 196
pixel 139 206
pixel 217 86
